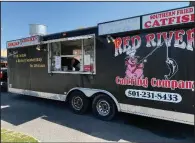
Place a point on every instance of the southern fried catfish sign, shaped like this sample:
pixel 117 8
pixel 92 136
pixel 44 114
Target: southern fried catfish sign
pixel 173 17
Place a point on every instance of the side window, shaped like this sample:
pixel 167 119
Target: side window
pixel 55 55
pixel 71 55
pixel 88 55
pixel 75 55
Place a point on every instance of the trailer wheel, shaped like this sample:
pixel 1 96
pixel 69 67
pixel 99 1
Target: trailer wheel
pixel 104 107
pixel 78 102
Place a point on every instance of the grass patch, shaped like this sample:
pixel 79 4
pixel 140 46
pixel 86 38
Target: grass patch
pixel 11 136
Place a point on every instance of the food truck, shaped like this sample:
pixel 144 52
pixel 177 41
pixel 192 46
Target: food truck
pixel 141 65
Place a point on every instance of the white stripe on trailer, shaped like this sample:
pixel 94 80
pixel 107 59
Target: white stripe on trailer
pixel 59 97
pixel 158 113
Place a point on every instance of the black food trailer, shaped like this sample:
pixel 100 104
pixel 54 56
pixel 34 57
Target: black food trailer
pixel 141 65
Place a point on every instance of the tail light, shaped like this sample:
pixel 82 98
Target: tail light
pixel 1 74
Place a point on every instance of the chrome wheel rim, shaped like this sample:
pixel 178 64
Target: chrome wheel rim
pixel 77 103
pixel 103 107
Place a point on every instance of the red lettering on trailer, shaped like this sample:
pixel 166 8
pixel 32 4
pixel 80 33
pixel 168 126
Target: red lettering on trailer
pixel 178 19
pixel 30 39
pixel 148 24
pixel 189 84
pixel 12 44
pixel 118 43
pixel 185 18
pixel 172 84
pixel 117 80
pixel 192 17
pixel 132 82
pixel 166 83
pixel 179 38
pixel 190 39
pixel 185 11
pixel 153 40
pixel 171 20
pixel 166 38
pixel 182 84
pixel 173 17
pixel 153 82
pixel 21 42
pixel 156 23
pixel 158 38
pixel 150 38
pixel 126 41
pixel 134 39
pixel 163 22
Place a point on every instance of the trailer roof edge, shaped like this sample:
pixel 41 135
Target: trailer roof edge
pixel 71 31
pixel 56 33
pixel 143 15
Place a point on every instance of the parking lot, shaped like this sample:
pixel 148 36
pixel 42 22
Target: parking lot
pixel 52 121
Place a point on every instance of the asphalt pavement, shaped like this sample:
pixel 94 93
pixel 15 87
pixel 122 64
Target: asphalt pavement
pixel 52 121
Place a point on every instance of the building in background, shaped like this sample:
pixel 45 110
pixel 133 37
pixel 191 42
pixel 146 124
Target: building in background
pixel 3 52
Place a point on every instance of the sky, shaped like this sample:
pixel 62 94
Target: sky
pixel 65 16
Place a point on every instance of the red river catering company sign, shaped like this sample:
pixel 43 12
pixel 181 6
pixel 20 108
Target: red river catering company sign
pixel 172 17
pixel 33 40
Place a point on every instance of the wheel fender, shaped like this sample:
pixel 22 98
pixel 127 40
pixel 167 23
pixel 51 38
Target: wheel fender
pixel 89 92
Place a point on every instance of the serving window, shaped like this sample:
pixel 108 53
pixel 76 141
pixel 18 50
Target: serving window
pixel 72 55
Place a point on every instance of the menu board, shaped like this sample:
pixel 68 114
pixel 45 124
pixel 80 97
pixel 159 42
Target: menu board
pixel 87 60
pixel 57 62
pixel 87 63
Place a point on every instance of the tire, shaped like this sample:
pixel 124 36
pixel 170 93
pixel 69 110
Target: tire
pixel 108 102
pixel 78 102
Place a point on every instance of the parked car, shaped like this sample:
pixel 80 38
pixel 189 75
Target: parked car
pixel 3 74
